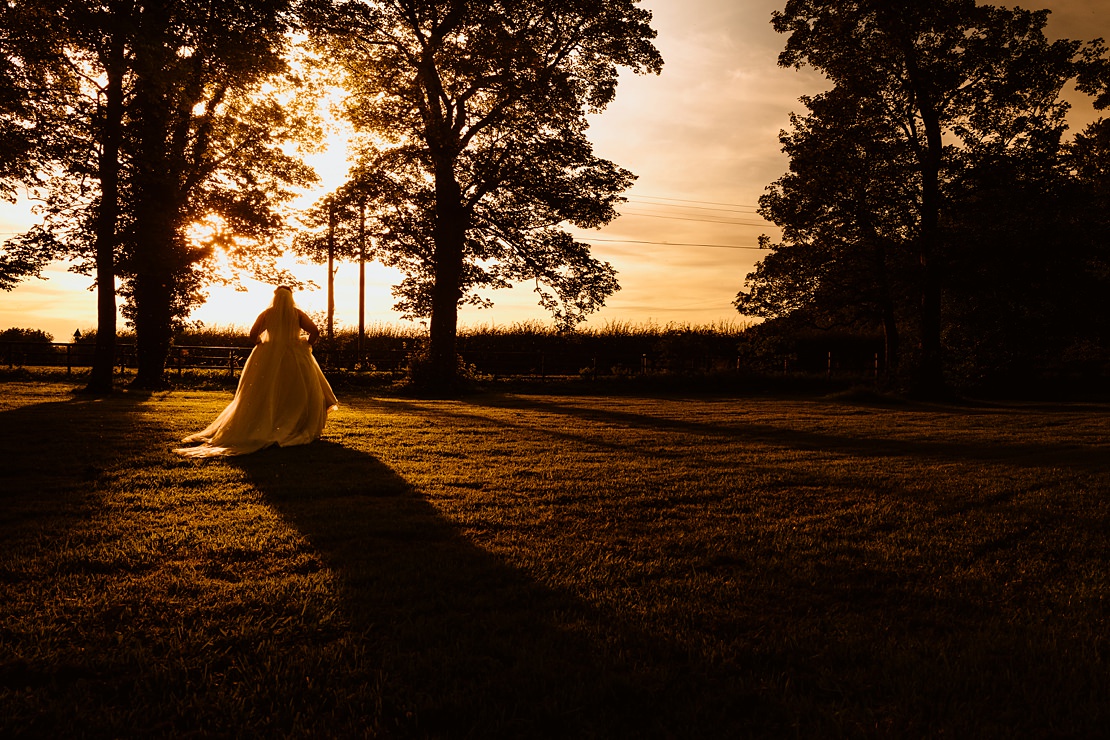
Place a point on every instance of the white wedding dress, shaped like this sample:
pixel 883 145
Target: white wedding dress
pixel 283 397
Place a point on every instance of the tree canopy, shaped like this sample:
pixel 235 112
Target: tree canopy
pixel 479 116
pixel 179 119
pixel 936 110
pixel 170 116
pixel 34 82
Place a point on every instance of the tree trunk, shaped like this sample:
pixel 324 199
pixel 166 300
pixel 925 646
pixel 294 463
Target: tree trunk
pixel 361 277
pixel 331 274
pixel 929 374
pixel 891 336
pixel 929 380
pixel 449 235
pixel 156 261
pixel 153 327
pixel 104 358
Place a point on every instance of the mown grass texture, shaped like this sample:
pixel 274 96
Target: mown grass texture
pixel 556 566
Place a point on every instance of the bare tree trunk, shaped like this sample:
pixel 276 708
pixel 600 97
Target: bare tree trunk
pixel 449 234
pixel 361 276
pixel 104 358
pixel 156 262
pixel 331 273
pixel 929 376
pixel 153 333
pixel 929 381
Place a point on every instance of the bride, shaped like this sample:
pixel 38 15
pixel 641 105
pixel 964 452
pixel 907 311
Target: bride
pixel 283 397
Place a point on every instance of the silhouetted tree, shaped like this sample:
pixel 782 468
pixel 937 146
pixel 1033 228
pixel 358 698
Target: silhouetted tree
pixel 400 215
pixel 33 78
pixel 1089 159
pixel 848 214
pixel 1011 256
pixel 486 104
pixel 207 134
pixel 330 234
pixel 30 65
pixel 73 69
pixel 178 119
pixel 101 34
pixel 937 78
pixel 1030 248
pixel 16 334
pixel 16 118
pixel 338 229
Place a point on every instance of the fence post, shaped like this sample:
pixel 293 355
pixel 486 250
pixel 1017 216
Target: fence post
pixel 69 363
pixel 828 372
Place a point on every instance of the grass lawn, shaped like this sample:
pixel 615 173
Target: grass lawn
pixel 525 565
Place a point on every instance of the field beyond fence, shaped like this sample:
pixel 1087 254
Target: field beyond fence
pixel 520 350
pixel 530 565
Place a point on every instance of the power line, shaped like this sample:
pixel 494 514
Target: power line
pixel 705 202
pixel 670 244
pixel 730 222
pixel 748 210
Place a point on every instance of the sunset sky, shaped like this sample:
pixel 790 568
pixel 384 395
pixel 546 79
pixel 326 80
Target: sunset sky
pixel 702 137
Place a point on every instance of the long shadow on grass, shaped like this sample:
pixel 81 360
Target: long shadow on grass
pixel 1090 458
pixel 55 456
pixel 469 646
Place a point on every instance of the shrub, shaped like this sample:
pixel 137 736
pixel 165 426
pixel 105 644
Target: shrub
pixel 26 335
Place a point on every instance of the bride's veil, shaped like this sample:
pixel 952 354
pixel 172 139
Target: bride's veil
pixel 282 324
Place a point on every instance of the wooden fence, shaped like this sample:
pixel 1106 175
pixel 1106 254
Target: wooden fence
pixel 528 363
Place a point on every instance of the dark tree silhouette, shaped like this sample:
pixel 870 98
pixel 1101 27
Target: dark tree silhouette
pixel 104 32
pixel 331 233
pixel 849 221
pixel 34 79
pixel 174 117
pixel 1089 159
pixel 945 84
pixel 17 119
pixel 482 108
pixel 207 142
pixel 339 229
pixel 69 110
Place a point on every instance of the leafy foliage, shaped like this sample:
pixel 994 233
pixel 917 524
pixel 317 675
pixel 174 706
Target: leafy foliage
pixel 34 84
pixel 480 153
pixel 16 334
pixel 926 180
pixel 30 76
pixel 204 108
